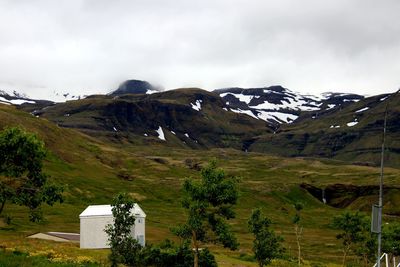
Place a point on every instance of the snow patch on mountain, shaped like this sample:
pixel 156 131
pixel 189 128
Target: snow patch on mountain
pixel 149 92
pixel 351 100
pixel 288 103
pixel 4 101
pixel 243 98
pixel 12 91
pixel 352 123
pixel 54 96
pixel 274 115
pixel 7 99
pixel 21 101
pixel 246 112
pixel 362 110
pixel 160 133
pixel 197 105
pixel 330 106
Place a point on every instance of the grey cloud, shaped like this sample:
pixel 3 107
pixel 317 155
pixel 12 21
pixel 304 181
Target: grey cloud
pixel 93 45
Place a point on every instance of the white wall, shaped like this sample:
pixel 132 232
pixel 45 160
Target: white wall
pixel 140 233
pixel 92 233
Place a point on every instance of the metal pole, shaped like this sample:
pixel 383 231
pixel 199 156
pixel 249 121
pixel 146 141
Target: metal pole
pixel 381 191
pixel 381 183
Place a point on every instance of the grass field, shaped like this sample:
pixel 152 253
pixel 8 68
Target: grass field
pixel 94 171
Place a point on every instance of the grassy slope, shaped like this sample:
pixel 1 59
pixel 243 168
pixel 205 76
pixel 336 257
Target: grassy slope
pixel 90 170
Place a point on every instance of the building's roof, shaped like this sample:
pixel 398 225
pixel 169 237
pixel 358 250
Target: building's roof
pixel 67 236
pixel 106 210
pixel 57 236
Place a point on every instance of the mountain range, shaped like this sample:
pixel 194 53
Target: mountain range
pixel 273 120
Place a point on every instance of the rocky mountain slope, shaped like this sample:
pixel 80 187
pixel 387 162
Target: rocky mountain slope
pixel 272 120
pixel 351 132
pixel 185 117
pixel 277 105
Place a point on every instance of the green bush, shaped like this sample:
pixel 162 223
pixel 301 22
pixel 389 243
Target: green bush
pixel 168 254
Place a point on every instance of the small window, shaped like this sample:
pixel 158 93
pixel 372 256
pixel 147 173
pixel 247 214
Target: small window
pixel 139 221
pixel 140 239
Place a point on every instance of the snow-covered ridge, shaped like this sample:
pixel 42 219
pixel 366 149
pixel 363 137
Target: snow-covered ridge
pixel 277 104
pixel 14 98
pixel 15 101
pixel 17 98
pixel 288 100
pixel 13 93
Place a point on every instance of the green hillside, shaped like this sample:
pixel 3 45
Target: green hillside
pixel 95 169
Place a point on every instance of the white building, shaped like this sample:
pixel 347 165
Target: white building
pixel 94 219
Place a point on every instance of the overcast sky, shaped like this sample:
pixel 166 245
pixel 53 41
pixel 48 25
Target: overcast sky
pixel 90 46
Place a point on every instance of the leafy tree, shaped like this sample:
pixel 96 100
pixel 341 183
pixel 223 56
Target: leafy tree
pixel 209 204
pixel 22 181
pixel 298 229
pixel 266 244
pixel 391 239
pixel 168 254
pixel 124 247
pixel 352 226
pixel 367 246
pixel 126 250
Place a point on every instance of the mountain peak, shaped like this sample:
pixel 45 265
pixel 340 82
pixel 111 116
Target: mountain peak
pixel 135 87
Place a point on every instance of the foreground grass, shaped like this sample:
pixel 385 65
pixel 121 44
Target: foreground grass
pixel 22 259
